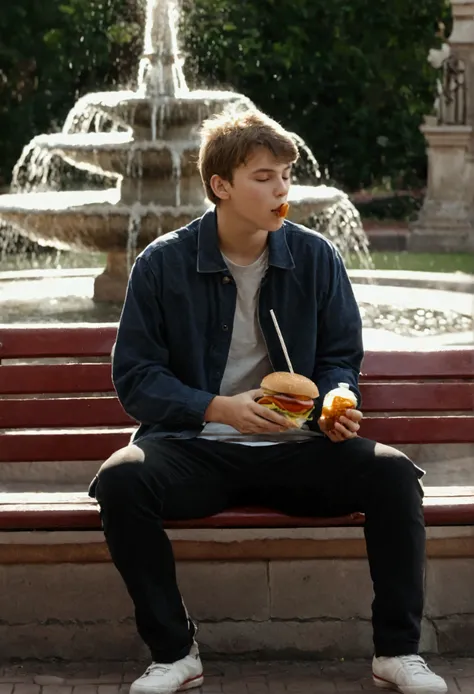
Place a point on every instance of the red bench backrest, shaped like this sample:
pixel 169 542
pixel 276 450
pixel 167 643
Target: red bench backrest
pixel 77 395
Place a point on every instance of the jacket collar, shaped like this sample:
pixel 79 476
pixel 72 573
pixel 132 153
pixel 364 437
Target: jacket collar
pixel 209 257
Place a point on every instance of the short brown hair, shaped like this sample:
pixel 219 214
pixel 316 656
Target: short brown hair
pixel 228 139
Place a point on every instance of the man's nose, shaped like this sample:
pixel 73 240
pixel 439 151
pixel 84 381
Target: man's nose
pixel 282 187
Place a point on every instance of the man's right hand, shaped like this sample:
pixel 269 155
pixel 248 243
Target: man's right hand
pixel 247 416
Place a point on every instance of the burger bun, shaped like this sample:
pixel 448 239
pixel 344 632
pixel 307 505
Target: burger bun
pixel 290 384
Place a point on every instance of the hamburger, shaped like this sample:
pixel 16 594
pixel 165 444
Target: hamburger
pixel 289 394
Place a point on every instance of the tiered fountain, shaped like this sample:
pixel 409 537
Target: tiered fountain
pixel 149 141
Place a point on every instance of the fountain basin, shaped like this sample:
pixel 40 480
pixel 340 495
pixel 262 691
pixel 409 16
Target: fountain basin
pixel 160 117
pixel 394 317
pixel 99 221
pixel 89 220
pixel 119 153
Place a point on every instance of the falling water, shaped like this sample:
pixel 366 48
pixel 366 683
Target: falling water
pixel 176 174
pixel 341 223
pixel 34 169
pixel 307 161
pixel 133 232
pixel 161 68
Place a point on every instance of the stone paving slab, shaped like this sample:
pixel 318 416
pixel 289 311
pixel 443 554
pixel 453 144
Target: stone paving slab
pixel 235 677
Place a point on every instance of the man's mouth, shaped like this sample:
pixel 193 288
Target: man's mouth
pixel 282 210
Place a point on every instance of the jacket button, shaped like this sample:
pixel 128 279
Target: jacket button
pixel 226 279
pixel 225 327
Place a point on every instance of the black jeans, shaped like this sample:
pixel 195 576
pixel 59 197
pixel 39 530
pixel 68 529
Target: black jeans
pixel 182 479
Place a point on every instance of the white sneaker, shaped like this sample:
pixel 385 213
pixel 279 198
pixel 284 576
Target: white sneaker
pixel 408 674
pixel 168 678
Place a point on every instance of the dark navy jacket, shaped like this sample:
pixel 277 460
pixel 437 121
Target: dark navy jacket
pixel 176 324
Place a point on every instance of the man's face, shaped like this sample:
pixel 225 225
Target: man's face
pixel 259 187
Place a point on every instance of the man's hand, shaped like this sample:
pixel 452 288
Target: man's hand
pixel 244 414
pixel 344 428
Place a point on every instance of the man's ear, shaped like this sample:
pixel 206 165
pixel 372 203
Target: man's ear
pixel 220 187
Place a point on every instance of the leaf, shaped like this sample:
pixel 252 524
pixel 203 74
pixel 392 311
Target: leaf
pixel 67 9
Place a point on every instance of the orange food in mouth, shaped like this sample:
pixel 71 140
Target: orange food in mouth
pixel 282 211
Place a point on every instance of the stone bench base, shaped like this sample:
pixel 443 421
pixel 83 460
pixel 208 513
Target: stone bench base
pixel 273 607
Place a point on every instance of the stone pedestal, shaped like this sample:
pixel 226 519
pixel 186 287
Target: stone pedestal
pixel 111 285
pixel 446 221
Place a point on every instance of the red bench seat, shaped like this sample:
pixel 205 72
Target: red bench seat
pixel 77 511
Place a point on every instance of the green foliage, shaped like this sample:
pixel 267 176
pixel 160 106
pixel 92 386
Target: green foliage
pixel 350 76
pixel 52 52
pixel 402 207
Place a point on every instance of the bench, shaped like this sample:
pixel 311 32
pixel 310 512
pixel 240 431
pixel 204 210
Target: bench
pixel 57 403
pixel 54 411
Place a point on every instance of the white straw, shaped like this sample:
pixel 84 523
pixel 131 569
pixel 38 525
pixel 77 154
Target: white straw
pixel 282 341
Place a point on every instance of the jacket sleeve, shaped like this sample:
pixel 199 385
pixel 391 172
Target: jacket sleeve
pixel 339 350
pixel 146 387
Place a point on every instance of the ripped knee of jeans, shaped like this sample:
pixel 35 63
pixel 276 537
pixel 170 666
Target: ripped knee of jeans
pixel 129 454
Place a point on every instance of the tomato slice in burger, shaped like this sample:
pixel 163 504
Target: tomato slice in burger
pixel 288 403
pixel 293 405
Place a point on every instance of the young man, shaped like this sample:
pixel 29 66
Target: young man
pixel 195 339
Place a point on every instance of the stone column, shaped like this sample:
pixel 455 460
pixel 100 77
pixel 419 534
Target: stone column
pixel 111 285
pixel 446 220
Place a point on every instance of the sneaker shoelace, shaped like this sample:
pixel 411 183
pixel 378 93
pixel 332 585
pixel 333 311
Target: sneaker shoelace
pixel 157 668
pixel 415 663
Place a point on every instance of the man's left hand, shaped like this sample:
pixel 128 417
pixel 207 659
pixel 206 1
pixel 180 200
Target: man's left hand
pixel 346 427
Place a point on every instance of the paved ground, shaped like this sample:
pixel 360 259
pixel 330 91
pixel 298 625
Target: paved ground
pixel 222 678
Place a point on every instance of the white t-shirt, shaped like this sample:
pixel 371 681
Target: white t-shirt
pixel 248 360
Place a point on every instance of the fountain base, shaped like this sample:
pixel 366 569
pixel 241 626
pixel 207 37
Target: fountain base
pixel 150 222
pixel 110 286
pixel 418 315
